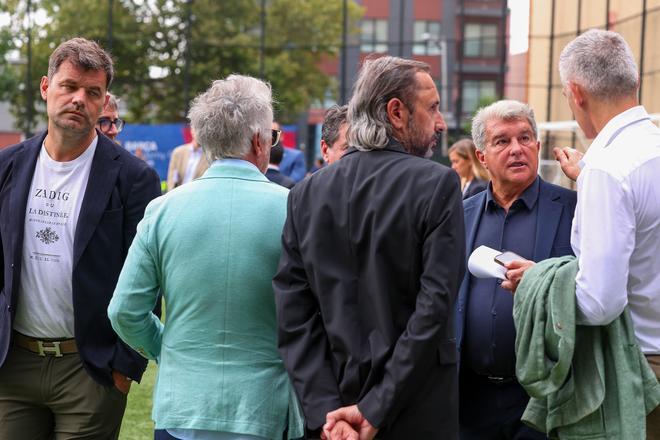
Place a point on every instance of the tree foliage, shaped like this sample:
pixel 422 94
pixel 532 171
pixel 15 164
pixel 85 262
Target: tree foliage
pixel 159 59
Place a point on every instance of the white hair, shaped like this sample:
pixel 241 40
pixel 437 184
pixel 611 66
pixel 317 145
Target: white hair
pixel 505 110
pixel 602 63
pixel 229 113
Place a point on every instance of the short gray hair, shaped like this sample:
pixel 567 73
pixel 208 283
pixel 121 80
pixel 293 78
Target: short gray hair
pixel 229 113
pixel 334 117
pixel 505 110
pixel 379 81
pixel 602 63
pixel 112 104
pixel 84 54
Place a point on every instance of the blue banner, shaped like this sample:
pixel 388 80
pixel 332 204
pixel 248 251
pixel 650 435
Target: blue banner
pixel 154 143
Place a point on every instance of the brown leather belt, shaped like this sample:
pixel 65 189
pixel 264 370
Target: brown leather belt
pixel 43 347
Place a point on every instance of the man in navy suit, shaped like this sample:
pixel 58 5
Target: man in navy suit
pixel 273 172
pixel 293 162
pixel 518 212
pixel 70 201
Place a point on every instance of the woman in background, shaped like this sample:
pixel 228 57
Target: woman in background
pixel 474 177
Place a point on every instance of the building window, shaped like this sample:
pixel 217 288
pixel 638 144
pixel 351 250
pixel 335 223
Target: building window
pixel 480 40
pixel 476 93
pixel 374 36
pixel 427 38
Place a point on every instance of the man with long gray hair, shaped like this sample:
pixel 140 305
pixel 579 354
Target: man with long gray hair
pixel 211 246
pixel 373 253
pixel 616 232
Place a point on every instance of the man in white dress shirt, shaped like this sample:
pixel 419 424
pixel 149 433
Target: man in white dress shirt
pixel 616 229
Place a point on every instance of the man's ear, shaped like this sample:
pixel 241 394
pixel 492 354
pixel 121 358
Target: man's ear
pixel 398 113
pixel 577 93
pixel 481 157
pixel 256 144
pixel 324 150
pixel 43 87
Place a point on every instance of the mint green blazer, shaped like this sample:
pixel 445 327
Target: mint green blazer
pixel 211 247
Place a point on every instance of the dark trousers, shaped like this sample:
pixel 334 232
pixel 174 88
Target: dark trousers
pixel 48 397
pixel 491 409
pixel 432 412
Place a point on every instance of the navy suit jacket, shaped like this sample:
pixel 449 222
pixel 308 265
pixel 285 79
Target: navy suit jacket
pixel 118 190
pixel 293 164
pixel 553 234
pixel 276 176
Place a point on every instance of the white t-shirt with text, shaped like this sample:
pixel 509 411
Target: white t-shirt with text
pixel 45 302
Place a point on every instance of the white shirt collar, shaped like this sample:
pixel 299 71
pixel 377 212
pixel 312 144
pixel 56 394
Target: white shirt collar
pixel 613 127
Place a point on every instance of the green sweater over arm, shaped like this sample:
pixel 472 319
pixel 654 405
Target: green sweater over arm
pixel 585 382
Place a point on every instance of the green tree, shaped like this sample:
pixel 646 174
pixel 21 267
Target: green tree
pixel 151 42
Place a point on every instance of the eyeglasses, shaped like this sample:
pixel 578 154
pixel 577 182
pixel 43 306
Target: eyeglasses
pixel 277 134
pixel 106 123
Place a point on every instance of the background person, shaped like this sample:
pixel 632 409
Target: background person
pixel 186 163
pixel 212 248
pixel 333 134
pixel 109 122
pixel 273 172
pixel 293 161
pixel 463 158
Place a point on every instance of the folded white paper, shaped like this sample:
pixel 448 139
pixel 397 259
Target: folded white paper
pixel 482 263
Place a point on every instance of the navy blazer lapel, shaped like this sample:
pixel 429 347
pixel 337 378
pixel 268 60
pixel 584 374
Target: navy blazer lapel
pixel 472 215
pixel 25 162
pixel 102 178
pixel 549 214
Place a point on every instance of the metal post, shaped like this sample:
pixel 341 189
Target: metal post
pixel 444 91
pixel 459 64
pixel 641 54
pixel 186 66
pixel 503 48
pixel 607 15
pixel 344 44
pixel 262 39
pixel 551 68
pixel 578 28
pixel 109 25
pixel 28 74
pixel 402 11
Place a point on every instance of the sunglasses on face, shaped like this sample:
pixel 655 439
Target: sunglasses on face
pixel 277 134
pixel 106 123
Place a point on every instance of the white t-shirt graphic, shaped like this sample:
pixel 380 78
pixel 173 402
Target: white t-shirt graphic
pixel 45 304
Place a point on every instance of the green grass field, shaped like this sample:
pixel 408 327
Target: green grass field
pixel 137 424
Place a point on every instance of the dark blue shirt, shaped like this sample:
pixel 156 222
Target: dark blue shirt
pixel 490 335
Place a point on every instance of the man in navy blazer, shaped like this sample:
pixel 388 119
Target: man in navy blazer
pixel 518 212
pixel 70 201
pixel 293 161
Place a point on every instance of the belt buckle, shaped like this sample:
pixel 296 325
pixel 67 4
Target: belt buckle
pixel 497 380
pixel 48 349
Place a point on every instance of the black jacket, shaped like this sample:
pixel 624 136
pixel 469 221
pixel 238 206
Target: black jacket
pixel 118 190
pixel 373 254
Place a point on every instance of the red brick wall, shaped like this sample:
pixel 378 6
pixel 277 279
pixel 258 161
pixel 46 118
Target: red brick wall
pixel 8 138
